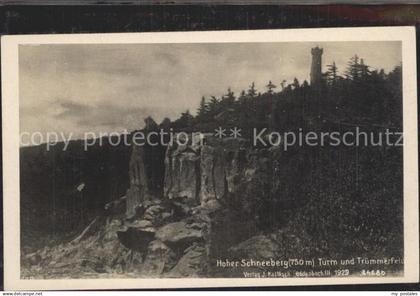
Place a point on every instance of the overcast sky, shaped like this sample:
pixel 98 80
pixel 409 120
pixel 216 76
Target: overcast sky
pixel 104 87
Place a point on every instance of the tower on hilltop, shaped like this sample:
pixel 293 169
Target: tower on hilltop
pixel 316 70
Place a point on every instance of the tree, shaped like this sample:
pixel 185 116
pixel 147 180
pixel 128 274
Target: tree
pixel 332 74
pixel 382 74
pixel 296 84
pixel 230 96
pixel 203 108
pixel 150 124
pixel 353 68
pixel 357 69
pixel 165 124
pixel 394 84
pixel 270 86
pixel 364 69
pixel 283 84
pixel 252 92
pixel 186 119
pixel 213 105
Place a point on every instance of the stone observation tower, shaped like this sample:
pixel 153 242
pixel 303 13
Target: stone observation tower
pixel 316 71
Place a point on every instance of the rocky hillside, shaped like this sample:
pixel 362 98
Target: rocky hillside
pixel 226 200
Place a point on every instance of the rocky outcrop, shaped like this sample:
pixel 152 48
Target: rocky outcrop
pixel 212 173
pixel 138 190
pixel 214 197
pixel 206 172
pixel 99 253
pixel 146 168
pixel 145 245
pixel 182 173
pixel 227 170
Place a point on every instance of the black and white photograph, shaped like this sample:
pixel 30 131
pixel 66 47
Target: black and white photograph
pixel 270 157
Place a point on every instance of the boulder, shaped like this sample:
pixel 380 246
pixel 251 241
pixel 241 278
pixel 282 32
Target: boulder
pixel 157 214
pixel 210 206
pixel 135 238
pixel 257 247
pixel 159 258
pixel 192 264
pixel 111 228
pixel 180 209
pixel 179 234
pixel 32 259
pixel 141 224
pixel 153 211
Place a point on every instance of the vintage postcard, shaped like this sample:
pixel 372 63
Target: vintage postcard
pixel 210 159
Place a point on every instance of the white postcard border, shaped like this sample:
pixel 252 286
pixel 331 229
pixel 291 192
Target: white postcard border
pixel 10 123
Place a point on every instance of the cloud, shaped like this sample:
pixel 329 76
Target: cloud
pixel 71 110
pixel 107 87
pixel 108 116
